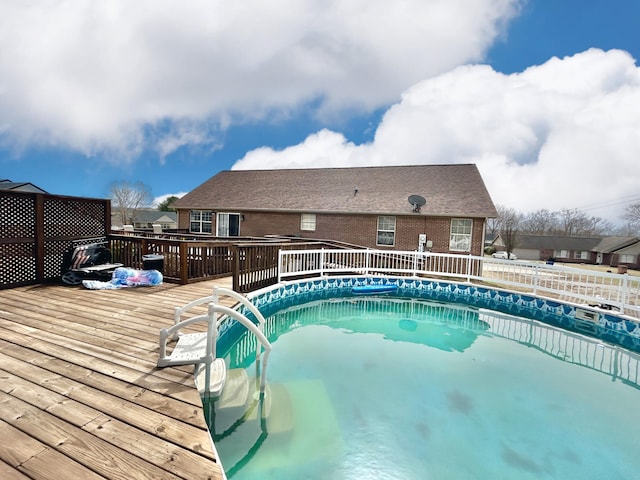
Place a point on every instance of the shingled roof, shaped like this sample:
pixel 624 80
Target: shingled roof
pixel 6 184
pixel 557 242
pixel 613 244
pixel 450 190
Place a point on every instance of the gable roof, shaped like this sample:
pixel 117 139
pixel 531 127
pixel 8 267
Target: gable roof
pixel 450 190
pixel 612 244
pixel 632 249
pixel 560 242
pixel 20 186
pixel 154 215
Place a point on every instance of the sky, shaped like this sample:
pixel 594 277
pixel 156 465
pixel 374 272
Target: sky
pixel 542 95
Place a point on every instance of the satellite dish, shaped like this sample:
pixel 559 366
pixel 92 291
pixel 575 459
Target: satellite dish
pixel 417 201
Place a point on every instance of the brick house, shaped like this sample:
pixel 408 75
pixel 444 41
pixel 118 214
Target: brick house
pixel 365 206
pixel 619 251
pixel 561 248
pixel 609 250
pixel 145 219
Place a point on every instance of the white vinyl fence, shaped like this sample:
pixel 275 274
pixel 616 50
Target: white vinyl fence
pixel 577 285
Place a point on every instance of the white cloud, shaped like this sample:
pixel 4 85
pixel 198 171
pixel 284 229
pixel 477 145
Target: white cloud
pixel 119 78
pixel 323 149
pixel 560 135
pixel 97 76
pixel 184 133
pixel 158 200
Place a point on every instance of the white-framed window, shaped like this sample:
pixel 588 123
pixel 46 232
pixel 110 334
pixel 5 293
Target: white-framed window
pixel 200 221
pixel 386 230
pixel 228 224
pixel 581 255
pixel 561 253
pixel 460 240
pixel 308 222
pixel 627 258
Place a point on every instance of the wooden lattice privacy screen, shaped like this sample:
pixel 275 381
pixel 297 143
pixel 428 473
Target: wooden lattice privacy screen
pixel 37 229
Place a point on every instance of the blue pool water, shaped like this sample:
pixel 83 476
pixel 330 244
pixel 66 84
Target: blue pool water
pixel 386 388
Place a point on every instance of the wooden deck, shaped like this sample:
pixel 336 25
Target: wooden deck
pixel 80 394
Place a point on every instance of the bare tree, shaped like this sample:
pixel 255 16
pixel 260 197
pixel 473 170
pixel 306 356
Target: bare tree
pixel 127 198
pixel 632 216
pixel 574 223
pixel 566 222
pixel 509 226
pixel 540 222
pixel 493 226
pixel 627 230
pixel 599 226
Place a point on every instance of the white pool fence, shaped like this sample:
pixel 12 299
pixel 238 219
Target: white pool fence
pixel 571 284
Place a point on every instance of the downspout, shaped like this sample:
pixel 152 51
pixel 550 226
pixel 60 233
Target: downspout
pixel 484 236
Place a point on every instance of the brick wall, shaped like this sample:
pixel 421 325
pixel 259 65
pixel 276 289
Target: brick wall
pixel 260 224
pixel 355 229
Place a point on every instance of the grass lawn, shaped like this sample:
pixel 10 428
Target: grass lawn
pixel 594 268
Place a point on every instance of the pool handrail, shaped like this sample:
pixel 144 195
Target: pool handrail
pixel 262 339
pixel 216 315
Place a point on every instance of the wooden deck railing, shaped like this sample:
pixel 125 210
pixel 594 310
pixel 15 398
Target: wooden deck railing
pixel 185 261
pixel 253 262
pixel 255 265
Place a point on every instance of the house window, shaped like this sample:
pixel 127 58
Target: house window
pixel 228 224
pixel 386 230
pixel 561 253
pixel 460 240
pixel 200 221
pixel 581 255
pixel 308 222
pixel 626 258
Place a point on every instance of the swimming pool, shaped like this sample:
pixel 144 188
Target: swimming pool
pixel 393 388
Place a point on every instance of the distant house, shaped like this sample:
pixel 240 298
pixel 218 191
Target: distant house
pixel 20 186
pixel 612 251
pixel 617 251
pixel 564 249
pixel 628 256
pixel 146 218
pixel 365 206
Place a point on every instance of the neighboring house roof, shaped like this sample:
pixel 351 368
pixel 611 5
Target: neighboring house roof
pixel 20 187
pixel 152 216
pixel 633 249
pixel 554 242
pixel 490 238
pixel 450 190
pixel 147 216
pixel 612 244
pixel 558 242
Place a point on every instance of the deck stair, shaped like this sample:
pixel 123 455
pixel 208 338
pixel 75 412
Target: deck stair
pixel 199 348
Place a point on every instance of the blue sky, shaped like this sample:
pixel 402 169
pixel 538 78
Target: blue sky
pixel 542 95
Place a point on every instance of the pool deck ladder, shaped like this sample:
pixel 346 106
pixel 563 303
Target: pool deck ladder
pixel 199 348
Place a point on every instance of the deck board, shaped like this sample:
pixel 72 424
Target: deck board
pixel 80 393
